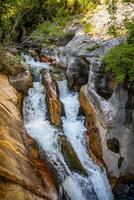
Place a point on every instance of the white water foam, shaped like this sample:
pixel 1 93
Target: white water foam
pixel 74 129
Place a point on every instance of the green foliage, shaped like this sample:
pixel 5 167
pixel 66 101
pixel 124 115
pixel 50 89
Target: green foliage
pixel 120 61
pixel 12 12
pixel 128 1
pixel 54 27
pixel 87 5
pixel 18 14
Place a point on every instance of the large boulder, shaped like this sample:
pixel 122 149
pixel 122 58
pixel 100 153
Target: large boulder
pixel 74 56
pixel 22 173
pixel 22 81
pixel 77 73
pixel 11 64
pixel 52 98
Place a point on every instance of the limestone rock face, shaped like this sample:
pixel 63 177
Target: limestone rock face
pixel 115 125
pixel 109 109
pixel 21 169
pixel 52 98
pixel 110 117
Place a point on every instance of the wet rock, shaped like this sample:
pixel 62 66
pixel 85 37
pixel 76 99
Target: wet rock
pixel 21 171
pixel 58 74
pixel 12 65
pixel 121 191
pixel 52 98
pixel 49 55
pixel 77 73
pixel 93 136
pixel 71 157
pixel 22 81
pixel 124 191
pixel 33 53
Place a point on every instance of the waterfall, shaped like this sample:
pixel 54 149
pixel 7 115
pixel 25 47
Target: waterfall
pixel 95 185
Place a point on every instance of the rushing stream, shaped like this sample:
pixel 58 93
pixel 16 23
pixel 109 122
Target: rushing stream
pixel 73 185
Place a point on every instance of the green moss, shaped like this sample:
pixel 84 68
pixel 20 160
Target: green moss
pixel 120 61
pixel 92 48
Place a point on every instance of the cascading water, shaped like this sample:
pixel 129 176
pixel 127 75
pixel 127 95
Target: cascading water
pixel 95 185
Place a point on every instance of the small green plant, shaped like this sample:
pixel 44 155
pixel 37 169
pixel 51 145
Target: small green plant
pixel 120 61
pixel 112 30
pixel 89 28
pixel 92 48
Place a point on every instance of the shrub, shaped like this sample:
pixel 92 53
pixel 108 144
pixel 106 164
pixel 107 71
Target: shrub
pixel 120 61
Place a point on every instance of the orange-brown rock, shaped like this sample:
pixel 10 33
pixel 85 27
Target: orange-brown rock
pixel 92 130
pixel 46 59
pixel 23 175
pixel 52 98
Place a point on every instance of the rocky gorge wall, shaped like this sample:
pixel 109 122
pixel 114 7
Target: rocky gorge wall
pixel 109 111
pixel 23 174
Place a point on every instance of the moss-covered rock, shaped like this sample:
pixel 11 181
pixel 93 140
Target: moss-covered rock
pixel 70 156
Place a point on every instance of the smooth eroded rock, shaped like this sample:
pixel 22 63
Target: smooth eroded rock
pixel 52 98
pixel 93 136
pixel 20 171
